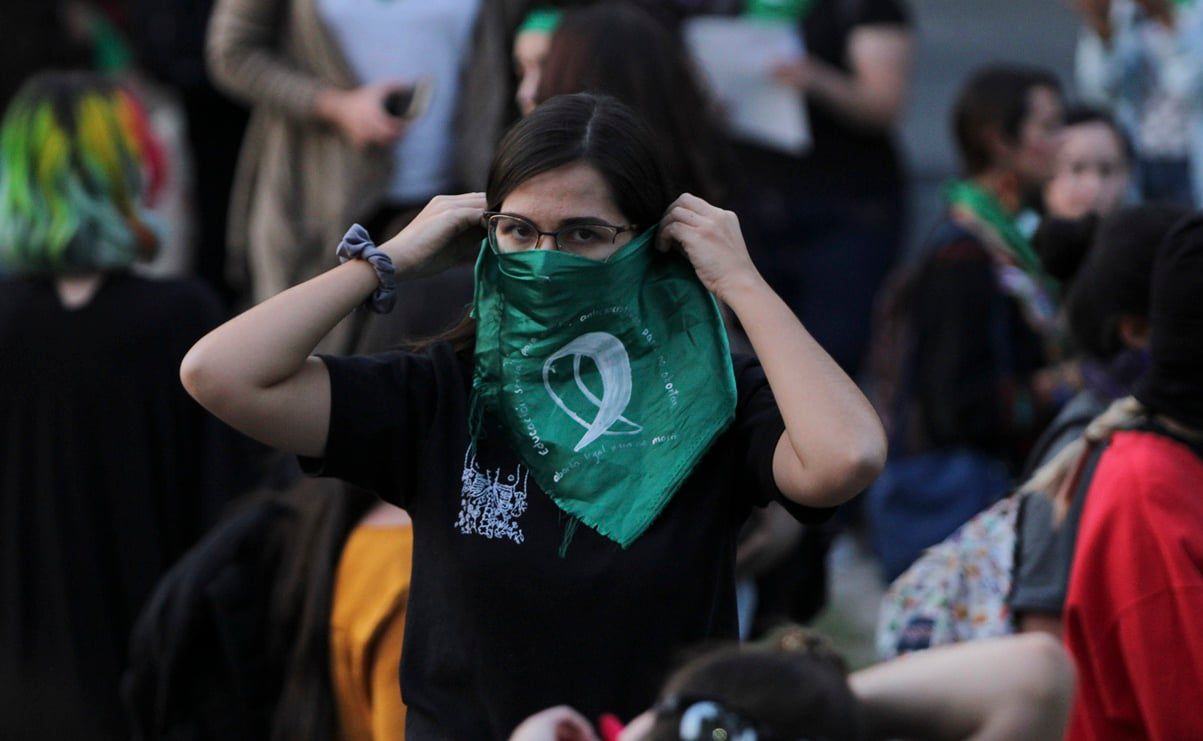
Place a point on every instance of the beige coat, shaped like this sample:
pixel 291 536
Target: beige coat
pixel 300 184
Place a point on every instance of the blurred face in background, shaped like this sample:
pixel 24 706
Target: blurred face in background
pixel 1033 156
pixel 530 49
pixel 1092 172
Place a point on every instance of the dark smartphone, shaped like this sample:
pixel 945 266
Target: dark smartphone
pixel 408 102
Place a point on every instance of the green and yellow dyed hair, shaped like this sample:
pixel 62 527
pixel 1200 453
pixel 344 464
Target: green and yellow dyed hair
pixel 75 157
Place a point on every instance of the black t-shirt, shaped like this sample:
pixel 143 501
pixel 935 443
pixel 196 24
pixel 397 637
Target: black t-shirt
pixel 843 156
pixel 500 625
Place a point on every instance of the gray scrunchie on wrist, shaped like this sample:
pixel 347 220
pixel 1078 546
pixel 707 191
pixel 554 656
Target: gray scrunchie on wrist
pixel 357 244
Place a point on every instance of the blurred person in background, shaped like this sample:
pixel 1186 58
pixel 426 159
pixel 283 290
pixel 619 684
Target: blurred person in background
pixel 1094 167
pixel 168 38
pixel 109 470
pixel 1144 59
pixel 362 111
pixel 1107 307
pixel 1135 592
pixel 826 227
pixel 972 379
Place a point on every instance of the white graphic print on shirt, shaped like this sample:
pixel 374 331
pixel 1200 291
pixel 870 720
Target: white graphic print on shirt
pixel 489 506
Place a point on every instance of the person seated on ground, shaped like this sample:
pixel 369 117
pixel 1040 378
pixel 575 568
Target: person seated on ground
pixel 1135 592
pixel 794 686
pixel 973 371
pixel 1107 308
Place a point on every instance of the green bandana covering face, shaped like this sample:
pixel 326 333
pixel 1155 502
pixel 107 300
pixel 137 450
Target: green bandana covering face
pixel 609 379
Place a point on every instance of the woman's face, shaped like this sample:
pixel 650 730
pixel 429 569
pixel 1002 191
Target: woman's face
pixel 572 197
pixel 1091 175
pixel 1035 155
pixel 530 49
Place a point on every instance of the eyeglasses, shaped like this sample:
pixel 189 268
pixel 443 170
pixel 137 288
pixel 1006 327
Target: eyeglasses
pixel 509 233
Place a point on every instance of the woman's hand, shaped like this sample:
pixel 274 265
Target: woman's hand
pixel 359 114
pixel 710 237
pixel 560 723
pixel 428 245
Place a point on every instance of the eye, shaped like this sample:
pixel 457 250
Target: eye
pixel 580 236
pixel 515 229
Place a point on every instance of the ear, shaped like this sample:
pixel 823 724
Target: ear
pixel 1134 332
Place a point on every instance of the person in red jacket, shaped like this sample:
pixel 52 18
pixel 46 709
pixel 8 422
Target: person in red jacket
pixel 1134 614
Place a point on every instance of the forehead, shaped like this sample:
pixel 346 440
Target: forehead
pixel 1044 103
pixel 571 191
pixel 1091 138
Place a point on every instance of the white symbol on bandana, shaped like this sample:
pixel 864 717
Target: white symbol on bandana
pixel 614 368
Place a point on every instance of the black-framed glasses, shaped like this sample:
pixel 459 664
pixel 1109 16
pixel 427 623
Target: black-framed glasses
pixel 510 233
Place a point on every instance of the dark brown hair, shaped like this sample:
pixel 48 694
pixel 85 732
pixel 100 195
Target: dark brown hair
pixel 621 50
pixel 994 99
pixel 794 685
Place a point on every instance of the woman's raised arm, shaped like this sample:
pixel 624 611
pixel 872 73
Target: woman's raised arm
pixel 834 445
pixel 255 371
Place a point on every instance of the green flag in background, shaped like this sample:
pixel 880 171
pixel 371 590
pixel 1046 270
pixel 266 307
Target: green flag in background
pixel 609 379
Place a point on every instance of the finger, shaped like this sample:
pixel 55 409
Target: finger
pixel 685 216
pixel 693 203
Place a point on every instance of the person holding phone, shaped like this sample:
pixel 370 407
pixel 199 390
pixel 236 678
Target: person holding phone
pixel 355 117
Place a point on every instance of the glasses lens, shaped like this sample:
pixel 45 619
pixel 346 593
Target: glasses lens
pixel 707 721
pixel 585 237
pixel 510 234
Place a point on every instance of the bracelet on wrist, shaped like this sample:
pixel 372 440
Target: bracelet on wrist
pixel 357 244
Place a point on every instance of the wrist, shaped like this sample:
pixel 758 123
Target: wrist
pixel 328 104
pixel 739 288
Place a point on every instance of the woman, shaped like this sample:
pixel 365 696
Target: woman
pixel 323 148
pixel 972 378
pixel 109 470
pixel 1136 586
pixel 1094 167
pixel 513 607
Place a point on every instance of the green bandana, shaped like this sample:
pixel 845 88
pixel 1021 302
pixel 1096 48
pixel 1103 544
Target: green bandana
pixel 609 379
pixel 974 200
pixel 542 20
pixel 791 11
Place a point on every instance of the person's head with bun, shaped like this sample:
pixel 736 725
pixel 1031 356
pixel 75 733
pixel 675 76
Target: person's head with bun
pixel 792 686
pixel 1093 166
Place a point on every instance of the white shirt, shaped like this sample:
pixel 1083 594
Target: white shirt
pixel 407 41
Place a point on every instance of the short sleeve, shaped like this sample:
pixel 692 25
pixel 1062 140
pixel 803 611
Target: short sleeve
pixel 379 406
pixel 883 13
pixel 757 427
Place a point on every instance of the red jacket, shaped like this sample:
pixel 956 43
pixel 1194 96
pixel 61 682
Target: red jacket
pixel 1134 615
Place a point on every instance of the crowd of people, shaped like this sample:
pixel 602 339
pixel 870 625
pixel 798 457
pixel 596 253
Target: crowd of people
pixel 315 315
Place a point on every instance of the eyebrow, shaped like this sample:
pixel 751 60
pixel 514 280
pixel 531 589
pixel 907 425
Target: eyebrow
pixel 572 221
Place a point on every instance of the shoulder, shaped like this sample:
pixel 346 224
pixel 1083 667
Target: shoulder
pixel 429 371
pixel 1147 480
pixel 951 241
